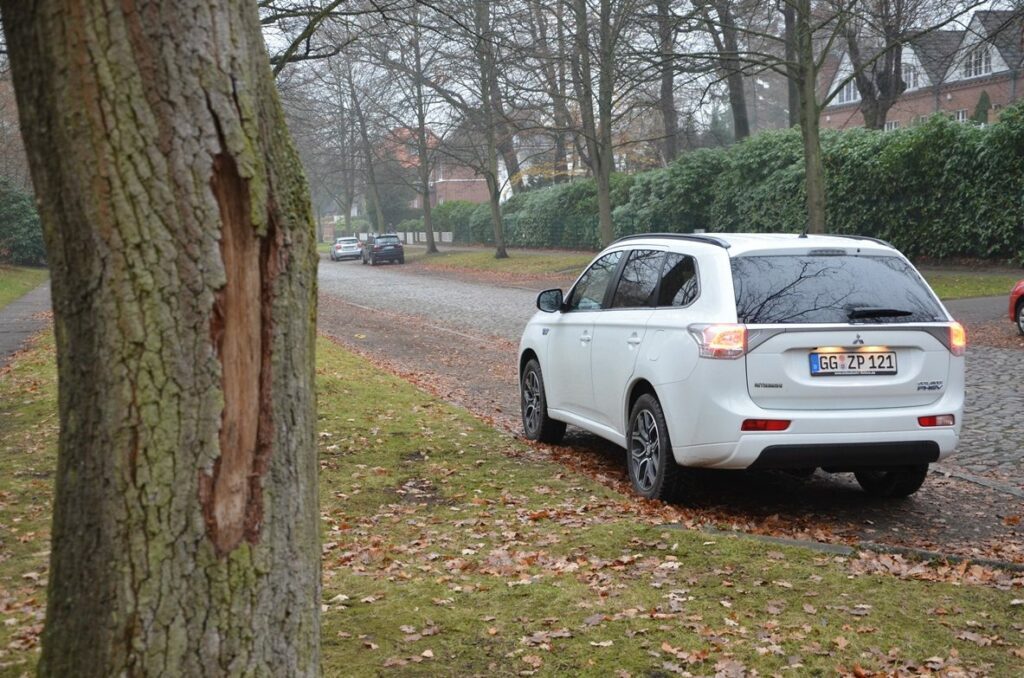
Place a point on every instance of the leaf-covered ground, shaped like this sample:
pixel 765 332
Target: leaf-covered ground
pixel 17 280
pixel 450 548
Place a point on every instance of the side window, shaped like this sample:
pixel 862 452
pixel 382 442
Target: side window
pixel 588 295
pixel 679 282
pixel 639 280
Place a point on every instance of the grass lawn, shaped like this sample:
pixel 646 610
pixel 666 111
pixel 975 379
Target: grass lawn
pixel 16 281
pixel 450 548
pixel 521 263
pixel 962 284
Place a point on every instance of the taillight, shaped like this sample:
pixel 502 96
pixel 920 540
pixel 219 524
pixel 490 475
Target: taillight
pixel 937 420
pixel 720 341
pixel 957 339
pixel 764 425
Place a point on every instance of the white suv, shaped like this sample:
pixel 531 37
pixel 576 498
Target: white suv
pixel 735 351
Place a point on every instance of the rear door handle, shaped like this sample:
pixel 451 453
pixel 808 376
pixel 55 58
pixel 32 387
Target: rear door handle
pixel 634 340
pixel 585 338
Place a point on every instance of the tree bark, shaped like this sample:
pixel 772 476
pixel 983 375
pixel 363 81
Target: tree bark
pixel 371 174
pixel 724 36
pixel 667 98
pixel 809 118
pixel 422 147
pixel 182 250
pixel 485 61
pixel 597 131
pixel 792 88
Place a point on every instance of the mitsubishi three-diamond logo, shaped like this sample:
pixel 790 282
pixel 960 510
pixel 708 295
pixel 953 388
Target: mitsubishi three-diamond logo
pixel 858 341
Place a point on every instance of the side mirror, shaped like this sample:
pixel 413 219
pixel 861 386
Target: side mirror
pixel 550 301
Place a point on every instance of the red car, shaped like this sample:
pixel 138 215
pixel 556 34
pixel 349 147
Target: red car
pixel 1017 305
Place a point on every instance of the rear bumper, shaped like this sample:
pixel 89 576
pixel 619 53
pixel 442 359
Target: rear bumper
pixel 833 451
pixel 705 431
pixel 848 456
pixel 387 256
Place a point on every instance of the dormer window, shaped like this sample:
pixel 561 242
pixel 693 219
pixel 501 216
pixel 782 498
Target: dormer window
pixel 978 61
pixel 848 93
pixel 911 76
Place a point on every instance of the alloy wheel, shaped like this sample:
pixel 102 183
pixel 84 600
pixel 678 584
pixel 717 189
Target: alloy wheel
pixel 645 450
pixel 531 402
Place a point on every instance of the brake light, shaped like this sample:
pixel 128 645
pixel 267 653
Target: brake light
pixel 765 425
pixel 937 420
pixel 957 339
pixel 721 341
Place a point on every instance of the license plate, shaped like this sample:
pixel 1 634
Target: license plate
pixel 853 364
pixel 389 247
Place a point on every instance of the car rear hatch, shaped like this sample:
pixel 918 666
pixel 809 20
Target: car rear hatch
pixel 831 331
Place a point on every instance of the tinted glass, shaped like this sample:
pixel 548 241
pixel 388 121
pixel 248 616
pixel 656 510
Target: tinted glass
pixel 830 289
pixel 386 240
pixel 639 279
pixel 679 281
pixel 589 292
pixel 347 241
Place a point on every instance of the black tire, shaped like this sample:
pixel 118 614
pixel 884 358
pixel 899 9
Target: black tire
pixel 373 260
pixel 401 260
pixel 896 482
pixel 1020 316
pixel 533 403
pixel 652 467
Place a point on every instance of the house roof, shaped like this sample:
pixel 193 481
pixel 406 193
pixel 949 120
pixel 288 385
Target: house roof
pixel 1004 29
pixel 935 50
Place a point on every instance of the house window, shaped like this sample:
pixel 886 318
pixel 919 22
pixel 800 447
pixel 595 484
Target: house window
pixel 891 125
pixel 848 93
pixel 911 76
pixel 960 115
pixel 978 62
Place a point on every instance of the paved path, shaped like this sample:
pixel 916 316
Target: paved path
pixel 980 309
pixel 22 318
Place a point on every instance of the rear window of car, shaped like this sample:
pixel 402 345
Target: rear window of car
pixel 386 240
pixel 830 289
pixel 347 241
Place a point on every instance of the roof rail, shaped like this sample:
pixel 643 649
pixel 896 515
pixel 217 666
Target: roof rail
pixel 861 237
pixel 693 237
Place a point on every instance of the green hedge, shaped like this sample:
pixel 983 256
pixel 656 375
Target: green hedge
pixel 941 189
pixel 21 234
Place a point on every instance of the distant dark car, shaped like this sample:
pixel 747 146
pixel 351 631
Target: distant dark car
pixel 1017 305
pixel 379 248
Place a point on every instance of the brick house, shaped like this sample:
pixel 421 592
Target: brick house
pixel 450 179
pixel 946 71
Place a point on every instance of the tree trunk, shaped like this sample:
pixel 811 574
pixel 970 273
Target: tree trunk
pixel 422 146
pixel 792 89
pixel 667 98
pixel 371 175
pixel 181 244
pixel 485 61
pixel 596 131
pixel 809 118
pixel 733 71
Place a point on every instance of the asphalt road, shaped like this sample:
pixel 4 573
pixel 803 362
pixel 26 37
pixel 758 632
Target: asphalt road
pixel 458 338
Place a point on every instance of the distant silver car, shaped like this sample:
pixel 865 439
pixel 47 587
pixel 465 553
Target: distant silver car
pixel 346 248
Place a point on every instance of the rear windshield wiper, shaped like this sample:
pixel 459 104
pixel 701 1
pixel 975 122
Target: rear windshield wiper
pixel 871 312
